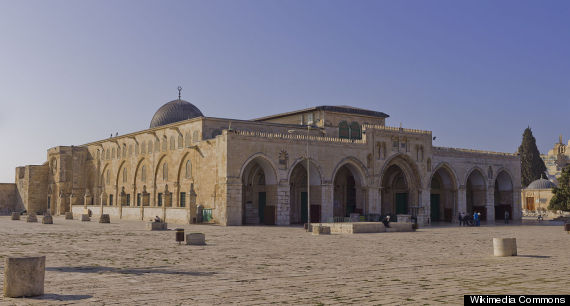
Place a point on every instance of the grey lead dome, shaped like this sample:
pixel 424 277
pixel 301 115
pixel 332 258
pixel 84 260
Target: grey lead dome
pixel 541 184
pixel 174 111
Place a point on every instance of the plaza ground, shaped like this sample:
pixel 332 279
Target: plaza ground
pixel 122 263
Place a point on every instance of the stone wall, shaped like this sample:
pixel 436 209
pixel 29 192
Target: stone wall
pixel 8 199
pixel 32 187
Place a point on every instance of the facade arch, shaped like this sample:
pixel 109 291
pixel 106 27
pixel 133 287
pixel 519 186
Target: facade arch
pixel 349 180
pixel 476 192
pixel 259 190
pixel 443 187
pixel 299 200
pixel 401 183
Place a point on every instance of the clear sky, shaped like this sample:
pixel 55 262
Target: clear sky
pixel 476 73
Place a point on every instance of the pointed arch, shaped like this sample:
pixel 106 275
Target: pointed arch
pixel 265 162
pixel 448 168
pixel 315 170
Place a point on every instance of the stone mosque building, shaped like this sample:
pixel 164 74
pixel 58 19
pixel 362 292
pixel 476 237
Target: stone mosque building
pixel 255 171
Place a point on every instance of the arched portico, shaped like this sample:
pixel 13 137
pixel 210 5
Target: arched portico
pixel 476 193
pixel 443 195
pixel 259 191
pixel 400 187
pixel 503 196
pixel 298 196
pixel 349 190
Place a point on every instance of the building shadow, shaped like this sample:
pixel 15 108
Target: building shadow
pixel 133 271
pixel 534 256
pixel 62 297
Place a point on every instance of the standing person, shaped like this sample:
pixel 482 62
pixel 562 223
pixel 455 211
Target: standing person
pixel 506 217
pixel 460 216
pixel 478 219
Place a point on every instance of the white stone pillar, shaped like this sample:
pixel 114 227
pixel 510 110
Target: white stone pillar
pixel 327 202
pixel 283 204
pixel 424 207
pixel 490 205
pixel 461 201
pixel 373 200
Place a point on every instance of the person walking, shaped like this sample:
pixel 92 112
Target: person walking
pixel 478 219
pixel 460 216
pixel 507 215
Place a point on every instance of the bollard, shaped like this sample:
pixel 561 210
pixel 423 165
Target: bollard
pixel 196 239
pixel 32 218
pixel 179 235
pixel 504 247
pixel 68 216
pixel 103 219
pixel 85 217
pixel 47 219
pixel 157 226
pixel 24 276
pixel 15 216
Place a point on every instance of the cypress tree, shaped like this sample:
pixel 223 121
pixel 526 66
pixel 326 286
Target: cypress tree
pixel 561 198
pixel 532 166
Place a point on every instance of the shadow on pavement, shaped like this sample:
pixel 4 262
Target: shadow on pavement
pixel 533 256
pixel 135 271
pixel 62 297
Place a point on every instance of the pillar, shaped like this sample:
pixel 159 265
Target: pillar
pixel 490 204
pixel 423 207
pixel 461 201
pixel 373 201
pixel 283 204
pixel 327 209
pixel 191 204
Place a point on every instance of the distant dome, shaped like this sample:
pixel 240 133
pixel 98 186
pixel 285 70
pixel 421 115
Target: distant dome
pixel 174 111
pixel 541 184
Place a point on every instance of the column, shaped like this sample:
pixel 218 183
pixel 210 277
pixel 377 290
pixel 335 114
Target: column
pixel 191 204
pixel 461 201
pixel 327 209
pixel 424 207
pixel 283 204
pixel 373 201
pixel 490 204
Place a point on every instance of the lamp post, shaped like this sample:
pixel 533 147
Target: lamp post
pixel 308 179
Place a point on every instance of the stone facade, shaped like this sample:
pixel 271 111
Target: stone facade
pixel 557 158
pixel 8 199
pixel 255 171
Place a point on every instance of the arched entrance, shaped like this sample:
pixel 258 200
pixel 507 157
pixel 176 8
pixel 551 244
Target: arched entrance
pixel 395 192
pixel 298 196
pixel 258 192
pixel 476 194
pixel 443 196
pixel 349 195
pixel 503 196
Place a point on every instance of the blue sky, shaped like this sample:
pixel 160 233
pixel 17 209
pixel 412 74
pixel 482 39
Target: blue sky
pixel 476 73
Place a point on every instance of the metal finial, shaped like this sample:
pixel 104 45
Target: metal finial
pixel 179 92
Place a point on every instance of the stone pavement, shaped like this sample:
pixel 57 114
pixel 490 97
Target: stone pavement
pixel 122 263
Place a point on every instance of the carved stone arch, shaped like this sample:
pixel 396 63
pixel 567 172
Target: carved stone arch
pixel 118 176
pixel 158 167
pixel 138 167
pixel 355 164
pixel 507 171
pixel 446 166
pixel 411 171
pixel 314 166
pixel 266 163
pixel 181 166
pixel 473 169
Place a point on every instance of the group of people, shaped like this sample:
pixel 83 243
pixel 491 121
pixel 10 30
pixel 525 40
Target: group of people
pixel 464 219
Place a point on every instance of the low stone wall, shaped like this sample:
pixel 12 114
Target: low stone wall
pixel 175 215
pixel 366 227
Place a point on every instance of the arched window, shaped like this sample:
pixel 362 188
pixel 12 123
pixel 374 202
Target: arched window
pixel 187 140
pixel 143 173
pixel 165 171
pixel 108 177
pixel 180 141
pixel 149 151
pixel 107 155
pixel 355 132
pixel 164 143
pixel 157 146
pixel 188 169
pixel 113 153
pixel 130 150
pixel 137 147
pixel 124 150
pixel 124 175
pixel 343 131
pixel 98 154
pixel 143 147
pixel 172 143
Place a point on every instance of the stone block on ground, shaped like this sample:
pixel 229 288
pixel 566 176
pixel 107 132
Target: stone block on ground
pixel 15 216
pixel 24 276
pixel 321 230
pixel 104 218
pixel 32 218
pixel 68 216
pixel 156 226
pixel 85 217
pixel 504 247
pixel 196 239
pixel 47 219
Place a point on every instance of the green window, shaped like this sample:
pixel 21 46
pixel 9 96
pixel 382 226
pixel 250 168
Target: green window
pixel 355 132
pixel 183 199
pixel 160 199
pixel 343 130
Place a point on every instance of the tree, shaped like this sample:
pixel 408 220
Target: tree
pixel 561 198
pixel 532 166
